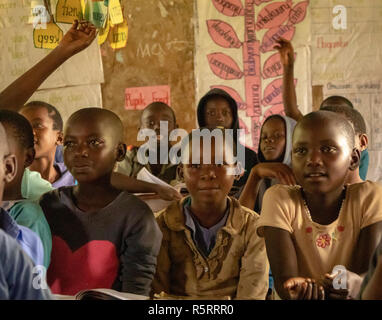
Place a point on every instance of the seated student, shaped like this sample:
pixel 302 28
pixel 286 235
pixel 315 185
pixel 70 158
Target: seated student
pixel 322 222
pixel 291 109
pixel 16 268
pixel 371 287
pixel 209 246
pixel 274 161
pixel 47 126
pixel 27 239
pixel 25 212
pixel 217 108
pixel 102 237
pixel 151 117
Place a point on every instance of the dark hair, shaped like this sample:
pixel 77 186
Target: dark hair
pixel 21 128
pixel 159 104
pixel 352 115
pixel 338 98
pixel 342 124
pixel 53 113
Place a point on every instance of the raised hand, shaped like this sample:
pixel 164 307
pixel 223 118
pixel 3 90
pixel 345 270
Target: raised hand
pixel 286 51
pixel 78 37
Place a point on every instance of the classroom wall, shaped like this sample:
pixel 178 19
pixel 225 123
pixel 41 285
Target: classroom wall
pixel 160 51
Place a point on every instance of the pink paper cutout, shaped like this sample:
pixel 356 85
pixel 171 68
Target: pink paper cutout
pixel 230 8
pixel 274 14
pixel 273 66
pixel 137 98
pixel 224 66
pixel 270 37
pixel 273 92
pixel 223 34
pixel 298 12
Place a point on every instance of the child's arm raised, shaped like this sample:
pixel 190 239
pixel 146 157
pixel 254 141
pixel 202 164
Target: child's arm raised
pixel 275 170
pixel 286 51
pixel 133 185
pixel 75 40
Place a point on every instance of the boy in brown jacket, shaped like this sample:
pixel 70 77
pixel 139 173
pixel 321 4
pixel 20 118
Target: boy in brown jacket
pixel 210 248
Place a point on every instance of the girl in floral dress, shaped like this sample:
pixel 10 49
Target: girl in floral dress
pixel 322 225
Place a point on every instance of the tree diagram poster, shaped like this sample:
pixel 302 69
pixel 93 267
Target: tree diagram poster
pixel 235 52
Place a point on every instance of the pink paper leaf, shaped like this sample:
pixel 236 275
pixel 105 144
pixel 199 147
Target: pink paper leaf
pixel 273 92
pixel 224 66
pixel 269 40
pixel 274 14
pixel 298 12
pixel 273 66
pixel 258 2
pixel 223 34
pixel 234 94
pixel 276 109
pixel 242 125
pixel 230 8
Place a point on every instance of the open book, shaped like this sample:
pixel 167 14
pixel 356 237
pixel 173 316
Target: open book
pixel 101 294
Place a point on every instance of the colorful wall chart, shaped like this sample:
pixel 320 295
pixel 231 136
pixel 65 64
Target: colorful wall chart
pixel 235 39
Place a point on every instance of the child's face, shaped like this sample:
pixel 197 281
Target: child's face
pixel 321 157
pixel 90 149
pixel 207 183
pixel 151 119
pixel 272 140
pixel 46 138
pixel 218 113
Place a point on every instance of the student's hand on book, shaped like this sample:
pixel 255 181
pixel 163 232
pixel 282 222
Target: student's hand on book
pixel 304 289
pixel 167 193
pixel 77 38
pixel 276 170
pixel 351 290
pixel 286 51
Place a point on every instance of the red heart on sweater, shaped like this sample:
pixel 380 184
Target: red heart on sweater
pixel 94 265
pixel 340 228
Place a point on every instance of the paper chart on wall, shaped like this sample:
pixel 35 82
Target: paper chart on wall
pixel 234 51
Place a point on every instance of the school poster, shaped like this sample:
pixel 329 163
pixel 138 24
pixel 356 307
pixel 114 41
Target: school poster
pixel 234 52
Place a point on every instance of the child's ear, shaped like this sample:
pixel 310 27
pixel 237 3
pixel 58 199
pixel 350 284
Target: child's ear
pixel 29 157
pixel 10 168
pixel 363 141
pixel 121 151
pixel 355 159
pixel 60 138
